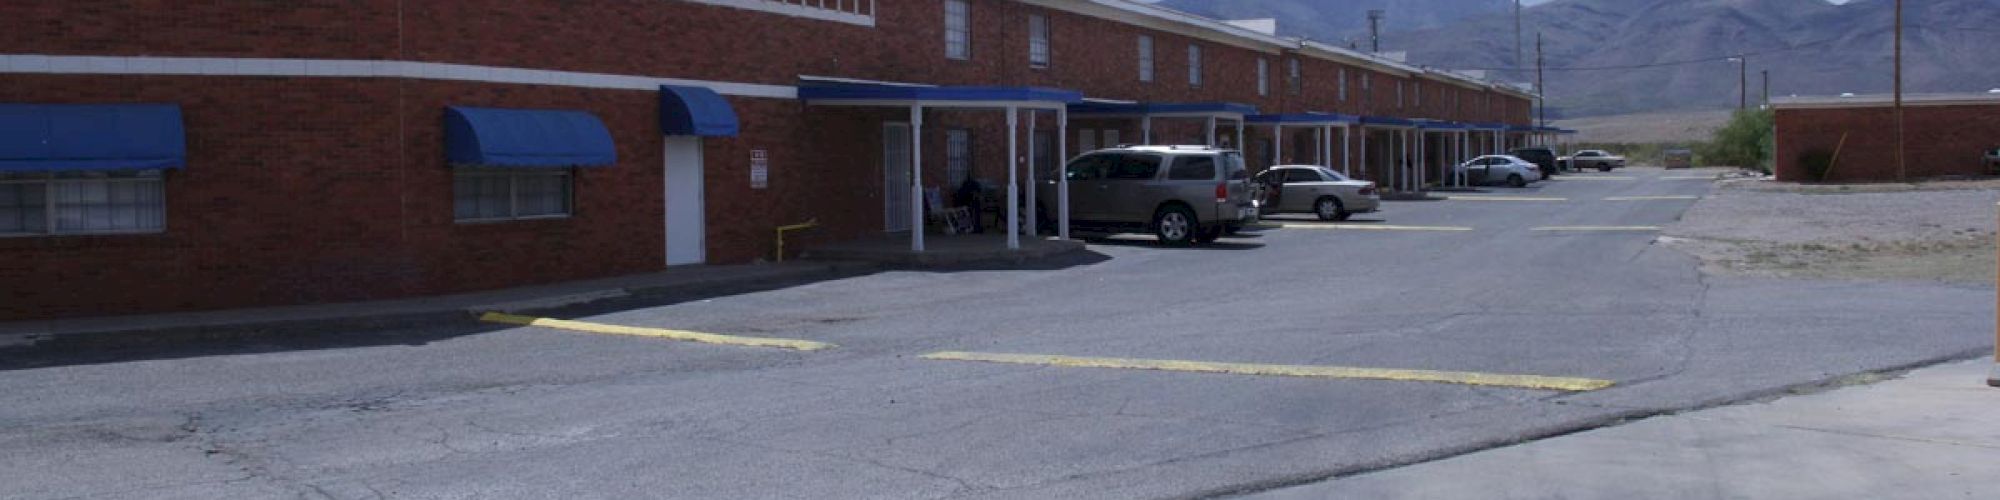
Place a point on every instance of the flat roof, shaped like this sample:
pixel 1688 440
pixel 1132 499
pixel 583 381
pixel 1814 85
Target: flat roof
pixel 1875 100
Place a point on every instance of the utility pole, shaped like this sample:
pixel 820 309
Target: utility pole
pixel 1541 91
pixel 1742 82
pixel 1767 86
pixel 1375 30
pixel 1902 172
pixel 1517 33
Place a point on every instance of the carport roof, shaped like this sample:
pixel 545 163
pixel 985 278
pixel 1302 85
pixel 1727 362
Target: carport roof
pixel 1387 121
pixel 1303 119
pixel 865 94
pixel 1162 109
pixel 1439 125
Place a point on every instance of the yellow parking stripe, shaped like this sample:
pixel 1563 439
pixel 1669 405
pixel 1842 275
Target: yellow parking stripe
pixel 1597 228
pixel 1688 178
pixel 1310 371
pixel 1369 227
pixel 1503 198
pixel 1578 177
pixel 710 338
pixel 1661 197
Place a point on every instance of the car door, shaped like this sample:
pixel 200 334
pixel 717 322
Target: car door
pixel 1302 188
pixel 1476 172
pixel 1087 190
pixel 1270 182
pixel 1126 183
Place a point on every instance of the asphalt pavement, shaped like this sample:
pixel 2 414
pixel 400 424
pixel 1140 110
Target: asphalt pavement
pixel 1294 355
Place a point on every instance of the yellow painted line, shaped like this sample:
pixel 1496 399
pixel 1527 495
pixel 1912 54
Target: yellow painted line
pixel 1598 228
pixel 1685 178
pixel 1310 371
pixel 1365 227
pixel 1503 198
pixel 1661 197
pixel 709 338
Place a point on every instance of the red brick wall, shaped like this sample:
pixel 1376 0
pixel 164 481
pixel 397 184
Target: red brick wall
pixel 1939 140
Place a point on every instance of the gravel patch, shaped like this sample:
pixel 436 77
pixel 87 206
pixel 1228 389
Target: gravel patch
pixel 1934 231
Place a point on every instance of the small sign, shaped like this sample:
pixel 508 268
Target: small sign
pixel 760 169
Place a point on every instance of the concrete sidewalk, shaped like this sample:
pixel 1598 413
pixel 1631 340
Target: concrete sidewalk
pixel 1933 433
pixel 634 289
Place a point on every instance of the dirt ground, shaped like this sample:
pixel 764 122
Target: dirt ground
pixel 1932 231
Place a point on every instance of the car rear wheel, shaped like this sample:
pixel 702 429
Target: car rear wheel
pixel 1175 226
pixel 1516 180
pixel 1328 208
pixel 1604 167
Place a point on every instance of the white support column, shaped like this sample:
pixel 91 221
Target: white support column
pixel 1013 185
pixel 1209 130
pixel 917 179
pixel 1326 146
pixel 1062 173
pixel 1400 140
pixel 1364 157
pixel 1240 146
pixel 1277 144
pixel 1033 210
pixel 1423 158
pixel 1346 150
pixel 1145 131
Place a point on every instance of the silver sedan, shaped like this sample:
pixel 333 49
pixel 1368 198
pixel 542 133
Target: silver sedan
pixel 1316 190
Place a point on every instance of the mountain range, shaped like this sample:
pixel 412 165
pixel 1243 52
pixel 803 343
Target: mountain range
pixel 1622 56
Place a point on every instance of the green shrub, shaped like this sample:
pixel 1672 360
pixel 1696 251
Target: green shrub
pixel 1745 142
pixel 1816 162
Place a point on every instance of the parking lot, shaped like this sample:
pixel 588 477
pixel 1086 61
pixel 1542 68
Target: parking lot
pixel 1302 351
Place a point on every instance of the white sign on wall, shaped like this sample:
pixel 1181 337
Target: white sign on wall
pixel 760 169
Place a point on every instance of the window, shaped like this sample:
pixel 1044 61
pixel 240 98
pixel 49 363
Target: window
pixel 1263 76
pixel 957 30
pixel 1192 168
pixel 490 194
pixel 1399 94
pixel 1298 82
pixel 1038 40
pixel 1194 65
pixel 1145 58
pixel 1417 92
pixel 1135 167
pixel 1091 167
pixel 1086 140
pixel 957 156
pixel 1111 138
pixel 1343 84
pixel 90 202
pixel 1302 175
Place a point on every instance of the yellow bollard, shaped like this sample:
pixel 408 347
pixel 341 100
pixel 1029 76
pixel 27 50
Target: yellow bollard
pixel 794 227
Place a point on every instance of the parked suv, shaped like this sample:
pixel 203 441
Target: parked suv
pixel 1542 157
pixel 1182 194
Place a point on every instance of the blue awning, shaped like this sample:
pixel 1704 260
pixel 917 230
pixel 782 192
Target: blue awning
pixel 50 137
pixel 1439 125
pixel 1386 121
pixel 695 111
pixel 1162 108
pixel 925 95
pixel 1487 126
pixel 1521 128
pixel 1303 119
pixel 498 137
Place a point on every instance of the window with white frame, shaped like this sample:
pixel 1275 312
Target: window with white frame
pixel 1298 81
pixel 1194 65
pixel 1111 137
pixel 1343 84
pixel 957 29
pixel 87 202
pixel 1038 40
pixel 1263 76
pixel 494 194
pixel 1399 94
pixel 1145 58
pixel 957 156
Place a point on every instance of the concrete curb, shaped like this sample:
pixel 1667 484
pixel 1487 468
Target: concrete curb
pixel 300 321
pixel 1039 250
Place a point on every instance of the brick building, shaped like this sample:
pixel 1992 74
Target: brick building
pixel 241 153
pixel 1944 135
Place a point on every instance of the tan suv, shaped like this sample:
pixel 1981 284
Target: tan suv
pixel 1182 194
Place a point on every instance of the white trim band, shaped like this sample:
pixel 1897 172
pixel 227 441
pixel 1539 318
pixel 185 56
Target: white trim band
pixel 363 68
pixel 844 11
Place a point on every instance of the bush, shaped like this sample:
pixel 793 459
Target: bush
pixel 1816 162
pixel 1746 142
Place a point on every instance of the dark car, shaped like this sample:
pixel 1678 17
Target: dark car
pixel 1540 156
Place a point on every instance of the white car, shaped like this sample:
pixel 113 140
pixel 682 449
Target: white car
pixel 1313 189
pixel 1497 169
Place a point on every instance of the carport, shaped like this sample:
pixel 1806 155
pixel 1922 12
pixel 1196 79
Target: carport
pixel 1487 138
pixel 1438 157
pixel 1210 113
pixel 1010 100
pixel 1323 123
pixel 1392 170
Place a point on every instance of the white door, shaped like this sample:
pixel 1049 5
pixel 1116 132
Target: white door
pixel 687 242
pixel 896 177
